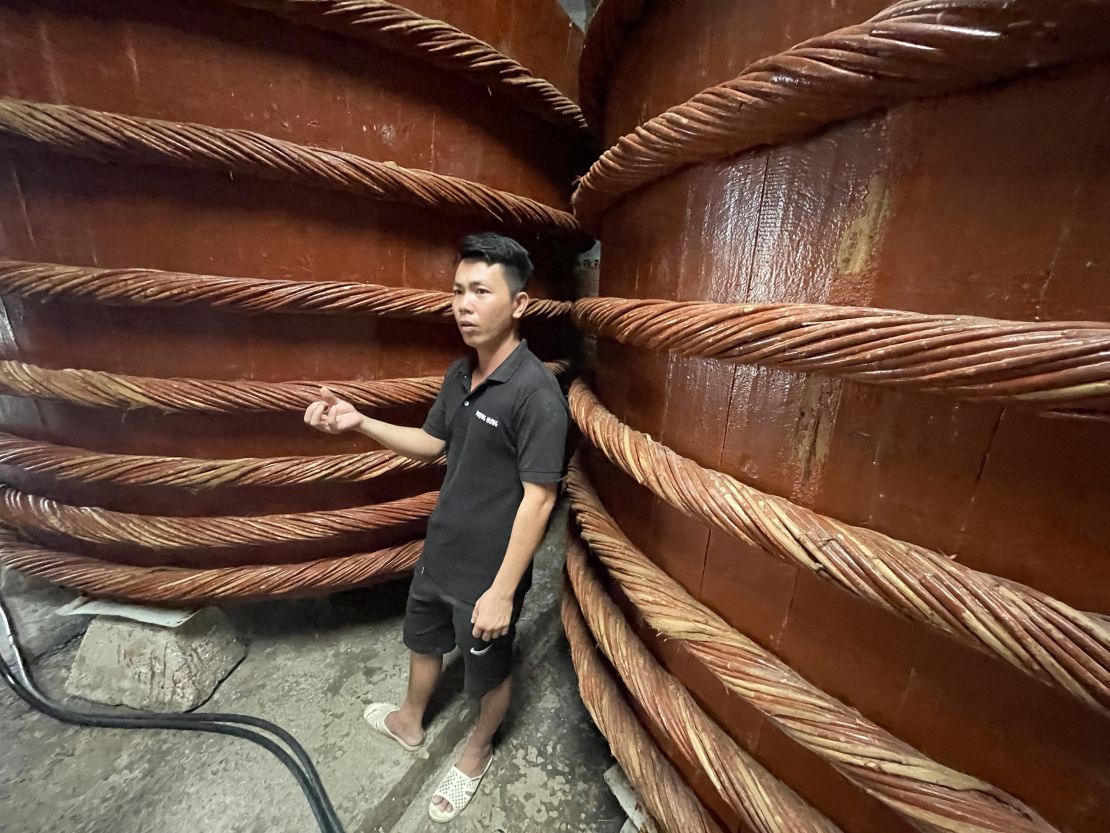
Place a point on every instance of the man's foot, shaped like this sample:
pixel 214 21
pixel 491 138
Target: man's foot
pixel 388 720
pixel 473 764
pixel 407 729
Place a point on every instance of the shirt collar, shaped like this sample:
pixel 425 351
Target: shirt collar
pixel 505 370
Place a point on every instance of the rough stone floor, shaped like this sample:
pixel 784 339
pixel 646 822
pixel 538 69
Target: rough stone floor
pixel 311 667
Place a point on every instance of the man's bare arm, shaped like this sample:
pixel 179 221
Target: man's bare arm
pixel 409 442
pixel 333 415
pixel 493 610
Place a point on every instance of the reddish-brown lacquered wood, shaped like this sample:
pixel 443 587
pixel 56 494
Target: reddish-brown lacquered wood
pixel 231 68
pixel 988 202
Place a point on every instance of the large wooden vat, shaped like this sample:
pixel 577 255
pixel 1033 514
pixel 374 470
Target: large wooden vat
pixel 989 201
pixel 303 75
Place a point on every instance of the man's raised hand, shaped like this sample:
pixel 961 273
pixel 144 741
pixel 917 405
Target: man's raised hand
pixel 331 414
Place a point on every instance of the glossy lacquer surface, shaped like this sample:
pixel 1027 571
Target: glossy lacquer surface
pixel 992 202
pixel 227 66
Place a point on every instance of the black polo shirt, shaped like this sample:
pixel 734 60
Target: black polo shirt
pixel 511 429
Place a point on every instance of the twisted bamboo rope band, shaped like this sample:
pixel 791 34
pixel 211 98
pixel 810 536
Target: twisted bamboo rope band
pixel 68 464
pixel 116 138
pixel 605 36
pixel 913 49
pixel 1032 631
pixel 668 799
pixel 1047 365
pixel 764 803
pixel 935 798
pixel 435 42
pixel 154 287
pixel 211 396
pixel 33 515
pixel 181 585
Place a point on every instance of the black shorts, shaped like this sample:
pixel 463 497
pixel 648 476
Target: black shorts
pixel 435 623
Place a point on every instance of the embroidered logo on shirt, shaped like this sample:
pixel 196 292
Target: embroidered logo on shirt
pixel 486 419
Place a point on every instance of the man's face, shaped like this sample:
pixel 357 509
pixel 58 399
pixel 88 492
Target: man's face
pixel 484 308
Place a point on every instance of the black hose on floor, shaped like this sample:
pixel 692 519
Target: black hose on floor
pixel 299 764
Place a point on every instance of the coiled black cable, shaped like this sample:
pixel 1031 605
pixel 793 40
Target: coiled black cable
pixel 299 763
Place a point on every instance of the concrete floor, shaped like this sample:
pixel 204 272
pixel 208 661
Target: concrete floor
pixel 312 666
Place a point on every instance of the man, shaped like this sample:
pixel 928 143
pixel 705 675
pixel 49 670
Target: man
pixel 503 419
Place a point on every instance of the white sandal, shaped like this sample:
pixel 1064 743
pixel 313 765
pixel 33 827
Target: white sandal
pixel 457 788
pixel 376 713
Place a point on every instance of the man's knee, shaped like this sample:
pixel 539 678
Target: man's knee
pixel 499 689
pixel 488 672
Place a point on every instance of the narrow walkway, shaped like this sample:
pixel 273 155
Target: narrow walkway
pixel 312 665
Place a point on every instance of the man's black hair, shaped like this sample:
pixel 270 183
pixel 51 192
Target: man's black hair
pixel 497 248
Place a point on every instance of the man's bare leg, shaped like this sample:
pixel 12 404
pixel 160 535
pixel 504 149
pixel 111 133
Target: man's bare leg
pixel 408 721
pixel 479 748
